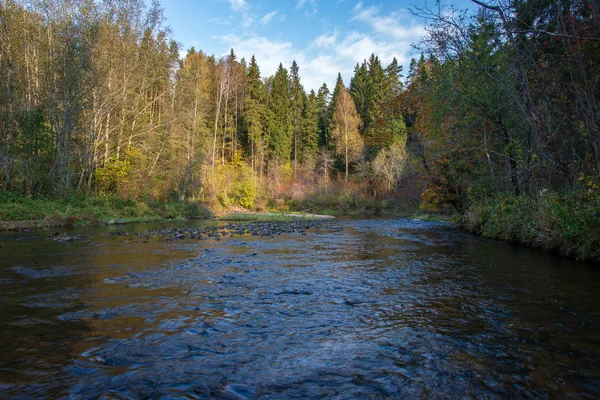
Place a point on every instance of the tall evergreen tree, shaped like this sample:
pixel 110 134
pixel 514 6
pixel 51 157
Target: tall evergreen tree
pixel 360 88
pixel 254 110
pixel 297 106
pixel 394 75
pixel 281 129
pixel 323 98
pixel 378 89
pixel 339 85
pixel 310 128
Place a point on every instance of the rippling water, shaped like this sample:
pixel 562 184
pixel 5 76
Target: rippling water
pixel 356 308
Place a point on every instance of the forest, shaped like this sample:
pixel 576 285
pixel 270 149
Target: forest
pixel 496 124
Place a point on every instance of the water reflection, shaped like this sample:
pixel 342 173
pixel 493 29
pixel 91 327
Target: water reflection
pixel 361 308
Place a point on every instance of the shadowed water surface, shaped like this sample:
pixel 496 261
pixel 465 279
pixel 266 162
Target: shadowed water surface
pixel 354 308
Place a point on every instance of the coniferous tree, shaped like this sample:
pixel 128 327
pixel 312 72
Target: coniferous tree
pixel 393 73
pixel 297 105
pixel 339 85
pixel 281 129
pixel 254 108
pixel 378 91
pixel 360 88
pixel 310 117
pixel 323 98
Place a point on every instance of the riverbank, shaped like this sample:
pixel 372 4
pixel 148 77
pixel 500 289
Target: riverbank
pixel 18 212
pixel 567 224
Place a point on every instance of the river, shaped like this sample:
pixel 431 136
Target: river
pixel 379 308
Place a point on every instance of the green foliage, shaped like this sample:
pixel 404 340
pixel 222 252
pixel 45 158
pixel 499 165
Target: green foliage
pixel 310 126
pixel 569 224
pixel 323 97
pixel 109 177
pixel 236 185
pixel 280 126
pixel 244 193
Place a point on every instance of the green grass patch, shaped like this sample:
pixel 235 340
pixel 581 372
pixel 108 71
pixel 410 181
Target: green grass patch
pixel 17 212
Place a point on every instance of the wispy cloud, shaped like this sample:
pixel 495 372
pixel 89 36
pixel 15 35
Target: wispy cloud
pixel 312 3
pixel 238 5
pixel 326 40
pixel 368 29
pixel 395 25
pixel 247 21
pixel 301 3
pixel 219 20
pixel 268 17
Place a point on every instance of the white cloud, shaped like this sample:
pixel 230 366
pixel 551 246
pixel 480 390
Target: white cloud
pixel 368 31
pixel 314 70
pixel 325 40
pixel 394 26
pixel 219 20
pixel 301 3
pixel 238 5
pixel 247 21
pixel 268 17
pixel 312 3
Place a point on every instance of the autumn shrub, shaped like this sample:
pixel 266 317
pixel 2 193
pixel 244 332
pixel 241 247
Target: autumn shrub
pixel 244 193
pixel 231 185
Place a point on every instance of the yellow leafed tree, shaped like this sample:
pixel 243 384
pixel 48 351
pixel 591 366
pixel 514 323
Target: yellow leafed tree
pixel 346 124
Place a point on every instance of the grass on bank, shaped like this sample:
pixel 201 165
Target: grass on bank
pixel 18 212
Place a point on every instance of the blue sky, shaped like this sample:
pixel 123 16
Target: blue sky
pixel 323 36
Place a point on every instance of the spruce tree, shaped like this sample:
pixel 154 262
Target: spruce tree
pixel 297 106
pixel 377 95
pixel 281 129
pixel 339 85
pixel 323 98
pixel 359 88
pixel 394 75
pixel 254 108
pixel 310 114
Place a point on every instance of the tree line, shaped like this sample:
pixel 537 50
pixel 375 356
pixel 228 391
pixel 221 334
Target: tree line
pixel 97 99
pixel 502 105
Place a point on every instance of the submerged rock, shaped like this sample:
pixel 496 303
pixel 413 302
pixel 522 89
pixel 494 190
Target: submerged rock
pixel 66 238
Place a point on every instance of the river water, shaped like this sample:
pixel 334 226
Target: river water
pixel 351 309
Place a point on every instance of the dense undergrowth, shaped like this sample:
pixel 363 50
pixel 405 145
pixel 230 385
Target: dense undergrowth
pixel 568 224
pixel 17 211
